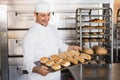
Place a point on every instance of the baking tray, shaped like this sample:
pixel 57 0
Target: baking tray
pixel 62 67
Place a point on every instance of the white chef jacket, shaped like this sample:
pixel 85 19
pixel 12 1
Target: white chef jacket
pixel 41 41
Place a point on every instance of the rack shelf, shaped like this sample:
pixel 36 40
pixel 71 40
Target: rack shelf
pixel 95 20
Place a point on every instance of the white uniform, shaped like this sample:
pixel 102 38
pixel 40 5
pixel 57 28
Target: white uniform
pixel 41 41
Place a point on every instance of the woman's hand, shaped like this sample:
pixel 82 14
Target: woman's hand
pixel 74 48
pixel 42 70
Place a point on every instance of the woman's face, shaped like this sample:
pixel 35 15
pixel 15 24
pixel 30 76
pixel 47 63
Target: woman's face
pixel 43 18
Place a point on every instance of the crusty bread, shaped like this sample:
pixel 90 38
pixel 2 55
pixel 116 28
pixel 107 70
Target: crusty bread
pixel 93 40
pixel 94 33
pixel 102 39
pixel 44 59
pixel 97 20
pixel 58 60
pixel 86 33
pixel 70 53
pixel 101 33
pixel 56 66
pixel 53 57
pixel 88 50
pixel 99 49
pixel 63 55
pixel 65 63
pixel 87 26
pixel 49 63
pixel 101 27
pixel 85 40
pixel 85 56
pixel 95 47
pixel 72 60
pixel 79 58
pixel 76 53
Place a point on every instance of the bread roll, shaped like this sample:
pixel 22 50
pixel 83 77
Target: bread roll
pixel 101 33
pixel 85 40
pixel 99 50
pixel 72 60
pixel 58 60
pixel 65 63
pixel 63 55
pixel 77 53
pixel 86 33
pixel 97 20
pixel 102 39
pixel 88 50
pixel 94 33
pixel 101 27
pixel 94 40
pixel 49 63
pixel 44 59
pixel 88 27
pixel 56 66
pixel 70 53
pixel 85 56
pixel 79 58
pixel 53 57
pixel 95 47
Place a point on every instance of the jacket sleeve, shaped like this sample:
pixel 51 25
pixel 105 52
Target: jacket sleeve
pixel 28 51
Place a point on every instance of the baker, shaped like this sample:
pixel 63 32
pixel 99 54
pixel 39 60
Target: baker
pixel 42 40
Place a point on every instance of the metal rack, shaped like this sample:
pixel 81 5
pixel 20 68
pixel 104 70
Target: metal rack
pixel 118 35
pixel 88 31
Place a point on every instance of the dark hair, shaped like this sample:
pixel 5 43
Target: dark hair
pixel 36 13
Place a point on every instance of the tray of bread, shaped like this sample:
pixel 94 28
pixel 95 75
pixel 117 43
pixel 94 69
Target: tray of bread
pixel 93 27
pixel 92 33
pixel 94 39
pixel 64 60
pixel 97 20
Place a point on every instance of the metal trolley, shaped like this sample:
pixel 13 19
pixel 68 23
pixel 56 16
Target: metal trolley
pixel 97 32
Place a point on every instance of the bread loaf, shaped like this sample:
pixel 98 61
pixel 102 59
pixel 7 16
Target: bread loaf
pixel 49 63
pixel 72 60
pixel 97 20
pixel 56 66
pixel 79 58
pixel 85 40
pixel 63 55
pixel 65 63
pixel 88 50
pixel 44 59
pixel 85 56
pixel 99 50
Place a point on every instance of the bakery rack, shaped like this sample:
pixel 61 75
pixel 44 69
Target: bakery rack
pixel 118 35
pixel 94 26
